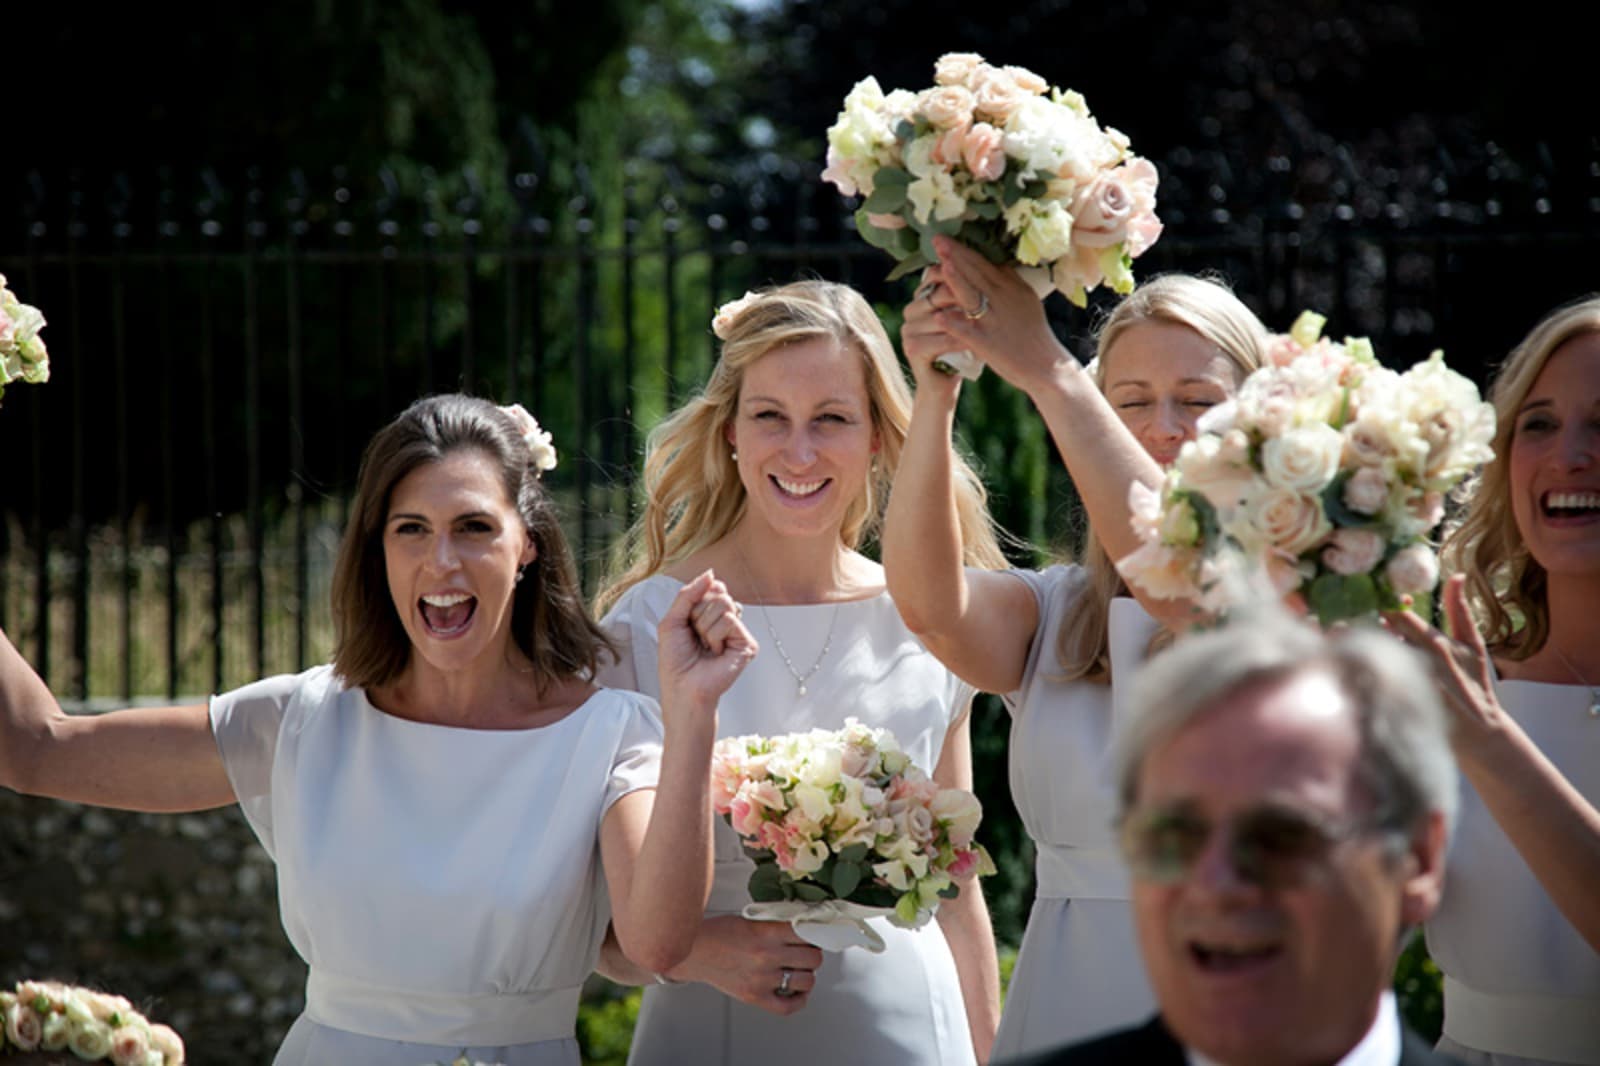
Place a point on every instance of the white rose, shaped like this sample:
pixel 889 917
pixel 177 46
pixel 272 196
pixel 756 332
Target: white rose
pixel 1353 551
pixel 1413 570
pixel 1304 459
pixel 1289 520
pixel 90 1040
pixel 168 1042
pixel 1217 468
pixel 1367 491
pixel 960 812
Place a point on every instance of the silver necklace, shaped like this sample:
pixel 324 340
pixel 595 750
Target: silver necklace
pixel 1594 691
pixel 777 641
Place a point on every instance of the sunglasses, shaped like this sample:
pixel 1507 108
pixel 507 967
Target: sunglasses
pixel 1271 846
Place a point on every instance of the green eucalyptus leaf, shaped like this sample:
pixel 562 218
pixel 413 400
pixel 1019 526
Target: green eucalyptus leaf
pixel 853 853
pixel 909 265
pixel 846 876
pixel 809 892
pixel 886 199
pixel 766 884
pixel 1340 597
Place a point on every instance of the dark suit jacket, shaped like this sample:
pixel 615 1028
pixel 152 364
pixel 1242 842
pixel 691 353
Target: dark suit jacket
pixel 1151 1045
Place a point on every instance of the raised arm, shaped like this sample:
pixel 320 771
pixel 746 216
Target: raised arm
pixel 979 623
pixel 1014 339
pixel 144 759
pixel 657 846
pixel 1553 827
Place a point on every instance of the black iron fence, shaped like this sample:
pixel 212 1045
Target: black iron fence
pixel 221 351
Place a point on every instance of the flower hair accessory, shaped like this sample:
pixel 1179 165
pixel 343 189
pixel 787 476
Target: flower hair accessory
pixel 94 1026
pixel 22 350
pixel 722 321
pixel 540 450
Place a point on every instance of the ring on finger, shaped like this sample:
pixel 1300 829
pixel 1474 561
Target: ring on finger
pixel 981 310
pixel 926 293
pixel 783 988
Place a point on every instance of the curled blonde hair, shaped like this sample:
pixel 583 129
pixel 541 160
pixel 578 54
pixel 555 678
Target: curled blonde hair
pixel 1506 586
pixel 1208 307
pixel 693 495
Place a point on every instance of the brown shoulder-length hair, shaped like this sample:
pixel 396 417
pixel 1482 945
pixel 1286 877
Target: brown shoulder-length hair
pixel 1506 586
pixel 549 623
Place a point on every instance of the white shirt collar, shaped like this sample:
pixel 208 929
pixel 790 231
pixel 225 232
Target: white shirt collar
pixel 1380 1047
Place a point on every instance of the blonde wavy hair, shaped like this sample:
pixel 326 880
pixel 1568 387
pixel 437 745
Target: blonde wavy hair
pixel 1506 587
pixel 1207 306
pixel 693 495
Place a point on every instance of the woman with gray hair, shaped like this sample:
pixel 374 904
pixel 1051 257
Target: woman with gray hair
pixel 1518 932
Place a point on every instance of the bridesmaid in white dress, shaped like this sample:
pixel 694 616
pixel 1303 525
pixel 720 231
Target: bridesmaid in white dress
pixel 1054 642
pixel 1518 931
pixel 774 475
pixel 455 809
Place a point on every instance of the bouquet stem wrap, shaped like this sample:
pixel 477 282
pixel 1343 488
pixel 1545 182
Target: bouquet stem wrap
pixel 832 925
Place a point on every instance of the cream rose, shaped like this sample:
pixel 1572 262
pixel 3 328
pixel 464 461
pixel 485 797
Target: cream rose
pixel 1353 551
pixel 960 812
pixel 24 1027
pixel 1289 520
pixel 90 1040
pixel 1413 570
pixel 1303 459
pixel 996 94
pixel 165 1040
pixel 1027 80
pixel 946 107
pixel 1047 237
pixel 956 68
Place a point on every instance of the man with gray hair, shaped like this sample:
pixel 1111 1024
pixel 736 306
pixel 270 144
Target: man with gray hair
pixel 1286 799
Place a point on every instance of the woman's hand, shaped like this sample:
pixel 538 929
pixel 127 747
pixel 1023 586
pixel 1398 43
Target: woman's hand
pixel 1461 664
pixel 747 960
pixel 704 645
pixel 989 310
pixel 924 339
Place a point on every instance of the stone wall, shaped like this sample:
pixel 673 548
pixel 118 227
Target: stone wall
pixel 177 912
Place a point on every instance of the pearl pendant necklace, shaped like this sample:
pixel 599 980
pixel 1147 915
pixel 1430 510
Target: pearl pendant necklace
pixel 1594 691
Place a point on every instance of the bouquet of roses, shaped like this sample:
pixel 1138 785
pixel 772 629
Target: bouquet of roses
pixel 1001 161
pixel 94 1026
pixel 22 351
pixel 1326 473
pixel 842 826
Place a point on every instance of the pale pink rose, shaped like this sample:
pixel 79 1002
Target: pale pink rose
pixel 947 149
pixel 1367 443
pixel 1027 80
pixel 1367 491
pixel 997 94
pixel 854 761
pixel 1428 509
pixel 1164 573
pixel 883 221
pixel 1413 570
pixel 983 151
pixel 24 1027
pixel 1285 572
pixel 1104 210
pixel 165 1040
pixel 1282 349
pixel 1353 551
pixel 956 68
pixel 947 107
pixel 1289 520
pixel 919 824
pixel 744 816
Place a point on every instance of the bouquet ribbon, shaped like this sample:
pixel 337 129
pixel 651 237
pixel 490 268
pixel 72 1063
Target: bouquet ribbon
pixel 831 925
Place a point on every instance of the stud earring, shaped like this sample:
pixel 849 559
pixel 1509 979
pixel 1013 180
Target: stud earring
pixel 734 455
pixel 521 571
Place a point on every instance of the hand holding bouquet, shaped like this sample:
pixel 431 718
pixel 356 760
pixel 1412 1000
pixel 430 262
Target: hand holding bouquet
pixel 1326 473
pixel 94 1026
pixel 22 351
pixel 842 826
pixel 1001 161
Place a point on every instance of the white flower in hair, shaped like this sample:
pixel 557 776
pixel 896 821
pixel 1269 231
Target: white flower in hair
pixel 722 321
pixel 540 448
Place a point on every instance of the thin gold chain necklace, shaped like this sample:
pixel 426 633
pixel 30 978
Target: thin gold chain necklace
pixel 1594 690
pixel 777 641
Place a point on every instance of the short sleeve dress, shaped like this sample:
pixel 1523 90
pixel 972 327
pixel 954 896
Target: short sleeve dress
pixel 903 1006
pixel 1521 985
pixel 443 884
pixel 1078 972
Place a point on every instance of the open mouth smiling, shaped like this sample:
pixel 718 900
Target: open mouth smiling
pixel 1579 505
pixel 447 614
pixel 799 490
pixel 1225 959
